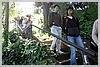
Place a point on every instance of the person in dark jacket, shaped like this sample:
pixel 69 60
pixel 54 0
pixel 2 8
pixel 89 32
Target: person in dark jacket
pixel 28 27
pixel 55 24
pixel 72 30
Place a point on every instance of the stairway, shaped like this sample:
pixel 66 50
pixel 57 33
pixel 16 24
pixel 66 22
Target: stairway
pixel 64 58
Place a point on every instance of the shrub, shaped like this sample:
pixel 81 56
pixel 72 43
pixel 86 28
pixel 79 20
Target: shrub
pixel 24 51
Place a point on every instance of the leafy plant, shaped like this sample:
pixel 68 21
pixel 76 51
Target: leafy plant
pixel 13 37
pixel 87 18
pixel 24 51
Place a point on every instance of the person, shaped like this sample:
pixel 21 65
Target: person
pixel 94 39
pixel 55 24
pixel 72 30
pixel 28 27
pixel 95 32
pixel 19 24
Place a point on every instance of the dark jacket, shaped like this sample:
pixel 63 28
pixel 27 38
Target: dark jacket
pixel 54 19
pixel 70 25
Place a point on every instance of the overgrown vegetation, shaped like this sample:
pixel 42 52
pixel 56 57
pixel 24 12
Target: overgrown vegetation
pixel 19 51
pixel 23 52
pixel 86 19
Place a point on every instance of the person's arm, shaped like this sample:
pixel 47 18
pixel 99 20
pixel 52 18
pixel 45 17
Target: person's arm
pixel 27 25
pixel 63 24
pixel 95 32
pixel 50 19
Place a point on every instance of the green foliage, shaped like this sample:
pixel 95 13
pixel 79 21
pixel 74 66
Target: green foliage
pixel 5 38
pixel 63 9
pixel 23 51
pixel 13 37
pixel 87 18
pixel 5 31
pixel 12 12
pixel 11 9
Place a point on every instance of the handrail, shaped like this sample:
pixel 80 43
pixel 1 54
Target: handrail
pixel 70 43
pixel 18 25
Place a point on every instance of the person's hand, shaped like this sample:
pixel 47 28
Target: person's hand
pixel 23 29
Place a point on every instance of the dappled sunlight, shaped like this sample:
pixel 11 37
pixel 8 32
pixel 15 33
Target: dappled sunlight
pixel 25 7
pixel 46 33
pixel 28 8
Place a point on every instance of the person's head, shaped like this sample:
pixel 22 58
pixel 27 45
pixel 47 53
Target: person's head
pixel 56 8
pixel 25 19
pixel 28 17
pixel 70 11
pixel 22 17
pixel 18 18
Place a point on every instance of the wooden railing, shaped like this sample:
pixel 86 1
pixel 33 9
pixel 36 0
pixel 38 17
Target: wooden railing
pixel 69 43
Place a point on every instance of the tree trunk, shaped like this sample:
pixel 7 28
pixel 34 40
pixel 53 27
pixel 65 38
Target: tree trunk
pixel 45 13
pixel 7 21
